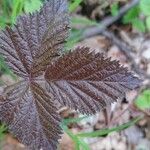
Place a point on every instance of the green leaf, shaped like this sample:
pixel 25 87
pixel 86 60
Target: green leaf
pixel 79 143
pixel 131 15
pixel 114 9
pixel 73 6
pixel 143 101
pixel 32 5
pixel 139 24
pixel 107 131
pixel 74 120
pixel 4 68
pixel 145 7
pixel 2 22
pixel 76 34
pixel 17 10
pixel 3 129
pixel 75 37
pixel 83 20
pixel 148 23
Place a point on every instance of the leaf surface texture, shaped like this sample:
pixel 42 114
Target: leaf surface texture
pixel 87 81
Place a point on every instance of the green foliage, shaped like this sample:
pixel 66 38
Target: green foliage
pixel 105 132
pixel 143 100
pixel 5 69
pixel 139 24
pixel 5 7
pixel 78 139
pixel 32 5
pixel 76 34
pixel 73 5
pixel 114 9
pixel 148 23
pixel 12 8
pixel 3 129
pixel 79 143
pixel 73 120
pixel 131 15
pixel 83 21
pixel 17 7
pixel 145 7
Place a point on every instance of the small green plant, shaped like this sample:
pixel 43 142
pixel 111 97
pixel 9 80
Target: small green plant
pixel 32 5
pixel 3 129
pixel 133 17
pixel 76 34
pixel 145 8
pixel 143 100
pixel 114 8
pixel 78 139
pixel 138 16
pixel 11 9
pixel 9 13
pixel 73 5
pixel 4 69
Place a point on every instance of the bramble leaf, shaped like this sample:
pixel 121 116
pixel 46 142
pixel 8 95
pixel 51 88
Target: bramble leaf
pixel 28 48
pixel 36 39
pixel 87 81
pixel 81 79
pixel 30 115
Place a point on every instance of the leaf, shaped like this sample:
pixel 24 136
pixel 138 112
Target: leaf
pixel 88 82
pixel 79 143
pixel 30 115
pixel 104 132
pixel 31 5
pixel 145 7
pixel 74 5
pixel 83 80
pixel 115 8
pixel 74 37
pixel 139 24
pixel 148 23
pixel 28 47
pixel 3 129
pixel 16 10
pixel 83 21
pixel 131 15
pixel 4 69
pixel 35 39
pixel 143 100
pixel 73 120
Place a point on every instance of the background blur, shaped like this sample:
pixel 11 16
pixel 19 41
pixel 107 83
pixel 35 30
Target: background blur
pixel 122 31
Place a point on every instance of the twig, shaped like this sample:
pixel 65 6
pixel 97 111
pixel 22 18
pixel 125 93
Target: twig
pixel 108 21
pixel 127 50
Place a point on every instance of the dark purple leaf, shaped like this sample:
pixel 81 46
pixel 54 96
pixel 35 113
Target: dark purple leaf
pixel 87 81
pixel 36 38
pixel 28 48
pixel 30 115
pixel 82 80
